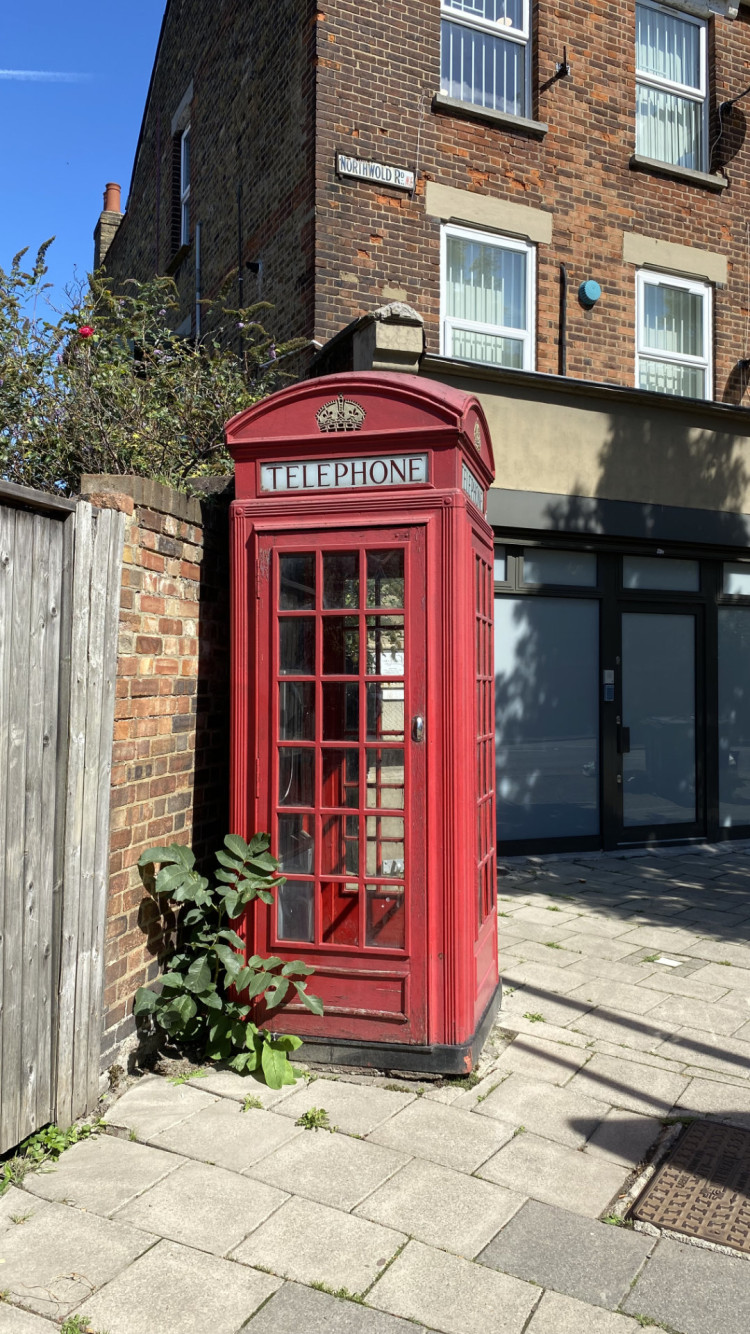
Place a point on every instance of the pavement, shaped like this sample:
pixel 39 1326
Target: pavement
pixel 466 1210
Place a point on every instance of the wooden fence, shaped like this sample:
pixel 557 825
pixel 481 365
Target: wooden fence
pixel 60 565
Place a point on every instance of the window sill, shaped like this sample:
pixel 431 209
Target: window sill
pixel 701 178
pixel 536 129
pixel 178 257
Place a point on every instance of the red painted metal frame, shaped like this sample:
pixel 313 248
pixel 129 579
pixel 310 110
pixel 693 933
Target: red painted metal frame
pixel 449 968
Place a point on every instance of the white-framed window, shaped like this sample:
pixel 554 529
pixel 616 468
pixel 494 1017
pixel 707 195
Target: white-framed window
pixel 674 339
pixel 671 86
pixel 487 297
pixel 185 187
pixel 485 53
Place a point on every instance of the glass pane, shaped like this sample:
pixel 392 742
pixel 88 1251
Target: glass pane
pixel 341 645
pixel 385 916
pixel 672 320
pixel 559 567
pixel 547 717
pixel 506 13
pixel 385 646
pixel 658 705
pixel 734 715
pixel 296 776
pixel 485 283
pixel 340 904
pixel 501 565
pixel 295 911
pixel 297 646
pixel 385 845
pixel 665 378
pixel 478 67
pixel 385 779
pixel 488 348
pixel 340 845
pixel 385 578
pixel 340 778
pixel 341 579
pixel 667 46
pixel 385 712
pixel 297 711
pixel 296 843
pixel 737 579
pixel 654 572
pixel 669 128
pixel 297 591
pixel 340 711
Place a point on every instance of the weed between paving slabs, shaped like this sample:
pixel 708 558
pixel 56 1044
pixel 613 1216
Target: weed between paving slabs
pixel 702 1188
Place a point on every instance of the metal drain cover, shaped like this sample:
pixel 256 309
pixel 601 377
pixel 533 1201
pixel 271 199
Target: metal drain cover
pixel 703 1187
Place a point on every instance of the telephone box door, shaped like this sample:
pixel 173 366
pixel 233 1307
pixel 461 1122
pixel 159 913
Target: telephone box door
pixel 341 770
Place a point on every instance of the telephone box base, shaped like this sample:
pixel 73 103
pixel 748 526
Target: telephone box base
pixel 437 1059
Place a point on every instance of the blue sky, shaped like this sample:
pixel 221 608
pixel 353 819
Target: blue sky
pixel 63 138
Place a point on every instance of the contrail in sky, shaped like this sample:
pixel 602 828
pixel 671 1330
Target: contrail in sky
pixel 42 76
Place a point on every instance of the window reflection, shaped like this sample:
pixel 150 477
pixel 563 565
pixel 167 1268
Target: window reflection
pixel 297 592
pixel 385 578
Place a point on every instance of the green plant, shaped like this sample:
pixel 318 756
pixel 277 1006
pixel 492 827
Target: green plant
pixel 132 1134
pixel 553 908
pixel 79 1324
pixel 251 1104
pixel 481 1097
pixel 725 963
pixel 343 1294
pixel 45 1146
pixel 186 1078
pixel 534 1017
pixel 21 1218
pixel 209 991
pixel 519 1130
pixel 466 1081
pixel 552 945
pixel 315 1118
pixel 106 387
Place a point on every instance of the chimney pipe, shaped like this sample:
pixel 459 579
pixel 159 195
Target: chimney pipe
pixel 112 198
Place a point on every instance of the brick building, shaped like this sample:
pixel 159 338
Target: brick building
pixel 560 192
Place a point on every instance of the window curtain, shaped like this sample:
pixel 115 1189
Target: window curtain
pixel 508 13
pixel 672 322
pixel 486 285
pixel 669 128
pixel 484 70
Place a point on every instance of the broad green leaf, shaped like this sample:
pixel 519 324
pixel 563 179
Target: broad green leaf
pixel 273 1062
pixel 295 968
pixel 236 845
pixel 184 855
pixel 173 982
pixel 156 855
pixel 264 862
pixel 169 878
pixel 259 984
pixel 258 843
pixel 227 877
pixel 232 937
pixel 287 1042
pixel 313 1003
pixel 265 896
pixel 212 1000
pixel 198 976
pixel 275 994
pixel 185 1007
pixel 232 961
pixel 145 1001
pixel 273 962
pixel 231 863
pixel 232 904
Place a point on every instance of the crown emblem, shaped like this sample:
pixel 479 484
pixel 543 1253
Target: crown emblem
pixel 477 437
pixel 341 414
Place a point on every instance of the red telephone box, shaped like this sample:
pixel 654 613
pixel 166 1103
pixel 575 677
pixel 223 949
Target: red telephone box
pixel 363 719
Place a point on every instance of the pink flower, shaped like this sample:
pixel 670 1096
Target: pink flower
pixel 86 331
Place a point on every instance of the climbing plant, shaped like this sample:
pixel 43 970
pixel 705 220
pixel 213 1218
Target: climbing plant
pixel 209 993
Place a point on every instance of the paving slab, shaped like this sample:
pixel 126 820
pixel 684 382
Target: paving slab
pixel 204 1207
pixel 312 1243
pixel 729 1055
pixel 624 1137
pixel 626 1030
pixel 15 1203
pixel 694 1290
pixel 737 979
pixel 175 1290
pixel 551 915
pixel 627 972
pixel 559 1010
pixel 101 1174
pixel 681 1011
pixel 721 950
pixel 153 1105
pixel 522 949
pixel 665 980
pixel 556 1249
pixel 567 1117
pixel 447 1135
pixel 228 1084
pixel 557 1314
pixel 547 979
pixel 453 1295
pixel 555 1174
pixel 729 1103
pixel 647 1058
pixel 601 947
pixel 333 1169
pixel 535 1057
pixel 639 1088
pixel 354 1108
pixel 616 995
pixel 297 1310
pixel 15 1321
pixel 228 1137
pixel 62 1255
pixel 441 1207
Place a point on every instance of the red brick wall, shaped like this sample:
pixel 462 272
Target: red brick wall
pixel 378 63
pixel 170 765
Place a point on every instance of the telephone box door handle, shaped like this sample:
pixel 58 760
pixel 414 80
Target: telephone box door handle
pixel 417 728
